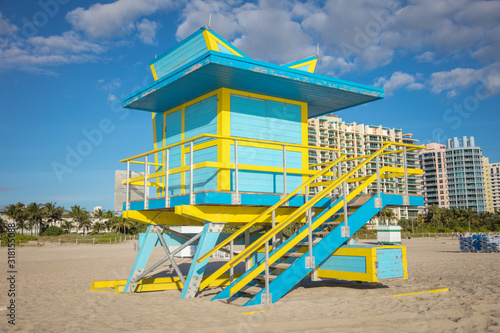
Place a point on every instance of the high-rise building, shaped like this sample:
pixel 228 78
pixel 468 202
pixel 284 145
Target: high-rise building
pixel 433 162
pixel 464 168
pixel 495 185
pixel 357 140
pixel 487 184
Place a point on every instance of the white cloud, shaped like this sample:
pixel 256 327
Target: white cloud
pixel 6 27
pixel 114 19
pixel 398 80
pixel 456 78
pixel 34 53
pixel 105 84
pixel 111 97
pixel 147 31
pixel 427 56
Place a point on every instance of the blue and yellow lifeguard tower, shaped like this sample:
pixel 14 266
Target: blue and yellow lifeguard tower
pixel 231 148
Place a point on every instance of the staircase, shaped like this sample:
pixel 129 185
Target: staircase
pixel 293 263
pixel 288 263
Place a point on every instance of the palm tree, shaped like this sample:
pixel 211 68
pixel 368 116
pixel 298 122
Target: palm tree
pixel 85 222
pixel 386 214
pixel 36 214
pixel 3 225
pixel 18 214
pixel 420 219
pixel 109 215
pixel 119 221
pixel 97 227
pixel 98 214
pixel 67 225
pixel 78 215
pixel 469 215
pixel 53 212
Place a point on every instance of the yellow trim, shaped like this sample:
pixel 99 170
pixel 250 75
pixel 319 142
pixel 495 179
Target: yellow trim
pixel 223 149
pixel 232 214
pixel 155 284
pixel 153 70
pixel 311 63
pixel 212 43
pixel 252 312
pixel 183 156
pixel 421 292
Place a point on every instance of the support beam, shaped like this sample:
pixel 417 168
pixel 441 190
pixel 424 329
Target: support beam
pixel 146 247
pixel 208 240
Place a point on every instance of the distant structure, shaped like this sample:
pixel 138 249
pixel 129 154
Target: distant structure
pixel 454 176
pixel 433 162
pixel 96 208
pixel 487 185
pixel 356 140
pixel 495 185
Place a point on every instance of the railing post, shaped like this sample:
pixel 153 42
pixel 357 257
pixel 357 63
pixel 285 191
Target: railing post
pixel 406 198
pixel 273 224
pixel 284 174
pixel 166 167
pixel 127 204
pixel 146 182
pixel 236 199
pixel 191 169
pixel 378 199
pixel 231 256
pixel 266 296
pixel 345 228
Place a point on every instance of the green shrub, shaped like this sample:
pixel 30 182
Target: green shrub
pixel 53 231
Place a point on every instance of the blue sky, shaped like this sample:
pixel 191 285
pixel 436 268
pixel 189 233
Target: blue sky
pixel 66 65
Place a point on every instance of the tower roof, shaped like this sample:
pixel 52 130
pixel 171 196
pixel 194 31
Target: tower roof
pixel 205 61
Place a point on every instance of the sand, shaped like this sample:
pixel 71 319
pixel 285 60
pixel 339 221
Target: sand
pixel 53 295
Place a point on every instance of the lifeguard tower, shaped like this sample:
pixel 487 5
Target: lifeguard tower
pixel 231 148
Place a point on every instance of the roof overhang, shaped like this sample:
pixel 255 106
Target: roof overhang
pixel 214 70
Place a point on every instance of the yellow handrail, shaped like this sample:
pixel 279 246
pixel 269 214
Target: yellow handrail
pixel 309 204
pixel 293 242
pixel 270 209
pixel 225 137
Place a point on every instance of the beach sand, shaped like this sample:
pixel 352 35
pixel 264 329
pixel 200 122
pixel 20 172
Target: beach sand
pixel 52 295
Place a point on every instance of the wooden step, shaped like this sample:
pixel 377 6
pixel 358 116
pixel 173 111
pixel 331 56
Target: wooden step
pixel 280 265
pixel 263 277
pixel 293 255
pixel 321 233
pixel 315 241
pixel 252 290
pixel 331 223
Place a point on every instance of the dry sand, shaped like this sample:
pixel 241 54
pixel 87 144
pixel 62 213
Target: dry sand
pixel 53 296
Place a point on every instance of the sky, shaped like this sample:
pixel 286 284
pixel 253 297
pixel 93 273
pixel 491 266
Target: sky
pixel 66 65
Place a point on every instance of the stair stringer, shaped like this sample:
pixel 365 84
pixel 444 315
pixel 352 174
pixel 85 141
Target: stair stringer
pixel 225 293
pixel 284 282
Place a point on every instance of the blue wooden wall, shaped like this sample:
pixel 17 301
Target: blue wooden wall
pixel 201 118
pixel 265 120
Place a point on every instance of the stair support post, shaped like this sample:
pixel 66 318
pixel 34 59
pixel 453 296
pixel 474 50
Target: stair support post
pixel 345 228
pixel 378 199
pixel 406 198
pixel 127 205
pixel 266 297
pixel 191 169
pixel 146 182
pixel 166 167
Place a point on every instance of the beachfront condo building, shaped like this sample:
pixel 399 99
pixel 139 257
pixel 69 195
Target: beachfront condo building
pixel 357 140
pixel 487 184
pixel 435 183
pixel 464 167
pixel 495 185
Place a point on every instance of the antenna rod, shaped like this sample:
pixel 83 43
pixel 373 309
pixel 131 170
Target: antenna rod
pixel 209 20
pixel 317 50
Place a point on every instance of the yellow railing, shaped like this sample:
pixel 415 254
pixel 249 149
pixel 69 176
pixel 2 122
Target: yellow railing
pixel 314 200
pixel 213 139
pixel 266 213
